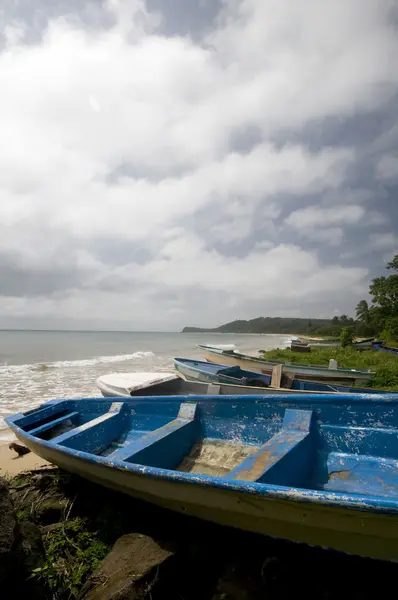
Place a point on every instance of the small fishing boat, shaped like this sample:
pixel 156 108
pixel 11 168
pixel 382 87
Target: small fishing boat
pixel 207 372
pixel 133 384
pixel 177 385
pixel 198 370
pixel 364 344
pixel 318 342
pixel 356 377
pixel 297 346
pixel 322 470
pixel 380 346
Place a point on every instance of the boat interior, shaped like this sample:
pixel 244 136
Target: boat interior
pixel 343 444
pixel 233 374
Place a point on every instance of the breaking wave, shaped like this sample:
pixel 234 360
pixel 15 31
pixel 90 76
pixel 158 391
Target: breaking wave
pixel 85 362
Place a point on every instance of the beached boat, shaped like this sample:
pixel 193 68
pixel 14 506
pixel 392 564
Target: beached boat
pixel 318 342
pixel 198 370
pixel 133 384
pixel 207 372
pixel 297 346
pixel 175 386
pixel 386 348
pixel 356 377
pixel 316 469
pixel 117 385
pixel 364 344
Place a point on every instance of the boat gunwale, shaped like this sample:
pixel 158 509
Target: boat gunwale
pixel 366 503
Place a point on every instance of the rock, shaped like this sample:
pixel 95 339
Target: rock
pixel 30 546
pixel 131 570
pixel 29 554
pixel 7 530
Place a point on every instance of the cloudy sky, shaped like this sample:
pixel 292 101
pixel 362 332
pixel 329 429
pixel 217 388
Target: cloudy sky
pixel 189 162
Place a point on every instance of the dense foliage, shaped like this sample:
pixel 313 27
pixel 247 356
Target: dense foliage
pixel 382 316
pixel 384 364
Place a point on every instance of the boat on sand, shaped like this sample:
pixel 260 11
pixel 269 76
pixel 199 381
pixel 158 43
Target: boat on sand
pixel 206 372
pixel 356 377
pixel 318 470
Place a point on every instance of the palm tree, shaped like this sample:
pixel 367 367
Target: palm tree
pixel 362 312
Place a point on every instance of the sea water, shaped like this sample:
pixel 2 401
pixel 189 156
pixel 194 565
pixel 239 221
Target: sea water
pixel 36 366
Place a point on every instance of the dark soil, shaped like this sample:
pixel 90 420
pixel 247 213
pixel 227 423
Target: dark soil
pixel 158 555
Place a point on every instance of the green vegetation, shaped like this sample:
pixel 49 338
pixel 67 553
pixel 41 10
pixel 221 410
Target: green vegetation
pixel 384 364
pixel 72 553
pixel 346 337
pixel 382 316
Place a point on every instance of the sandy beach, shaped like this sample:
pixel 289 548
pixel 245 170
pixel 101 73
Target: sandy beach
pixel 12 464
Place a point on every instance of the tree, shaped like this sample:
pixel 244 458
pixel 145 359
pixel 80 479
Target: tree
pixel 384 291
pixel 393 264
pixel 391 329
pixel 362 312
pixel 346 337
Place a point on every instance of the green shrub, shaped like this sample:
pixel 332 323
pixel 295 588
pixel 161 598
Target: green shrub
pixel 346 337
pixel 72 553
pixel 384 364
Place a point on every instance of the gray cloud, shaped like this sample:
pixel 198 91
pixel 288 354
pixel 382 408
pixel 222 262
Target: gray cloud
pixel 155 170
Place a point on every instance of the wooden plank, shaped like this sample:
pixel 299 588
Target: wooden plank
pixel 276 376
pixel 287 381
pixel 284 445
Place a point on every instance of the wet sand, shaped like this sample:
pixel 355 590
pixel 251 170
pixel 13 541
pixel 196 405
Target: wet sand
pixel 12 464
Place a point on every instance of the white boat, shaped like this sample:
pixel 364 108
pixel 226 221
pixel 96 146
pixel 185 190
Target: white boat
pixel 126 384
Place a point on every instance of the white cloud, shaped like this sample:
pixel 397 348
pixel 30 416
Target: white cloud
pixel 124 134
pixel 315 216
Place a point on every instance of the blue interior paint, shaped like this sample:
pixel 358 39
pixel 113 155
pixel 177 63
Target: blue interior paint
pixel 384 348
pixel 332 449
pixel 165 447
pixel 285 458
pixel 214 373
pixel 70 416
pixel 95 435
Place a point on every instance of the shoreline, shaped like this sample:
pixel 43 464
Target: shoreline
pixel 11 464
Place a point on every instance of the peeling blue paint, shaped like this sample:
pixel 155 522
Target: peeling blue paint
pixel 341 425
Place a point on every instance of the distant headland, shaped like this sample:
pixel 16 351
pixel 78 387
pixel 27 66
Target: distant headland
pixel 280 325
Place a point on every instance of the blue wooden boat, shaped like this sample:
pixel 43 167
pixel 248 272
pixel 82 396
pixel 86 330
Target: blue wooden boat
pixel 198 370
pixel 316 469
pixel 384 348
pixel 207 372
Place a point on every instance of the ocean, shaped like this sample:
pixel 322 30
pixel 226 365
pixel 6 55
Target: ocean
pixel 36 366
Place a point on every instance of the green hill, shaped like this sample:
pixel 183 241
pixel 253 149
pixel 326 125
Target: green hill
pixel 267 325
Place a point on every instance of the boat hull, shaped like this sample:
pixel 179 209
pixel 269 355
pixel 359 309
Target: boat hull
pixel 308 374
pixel 347 530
